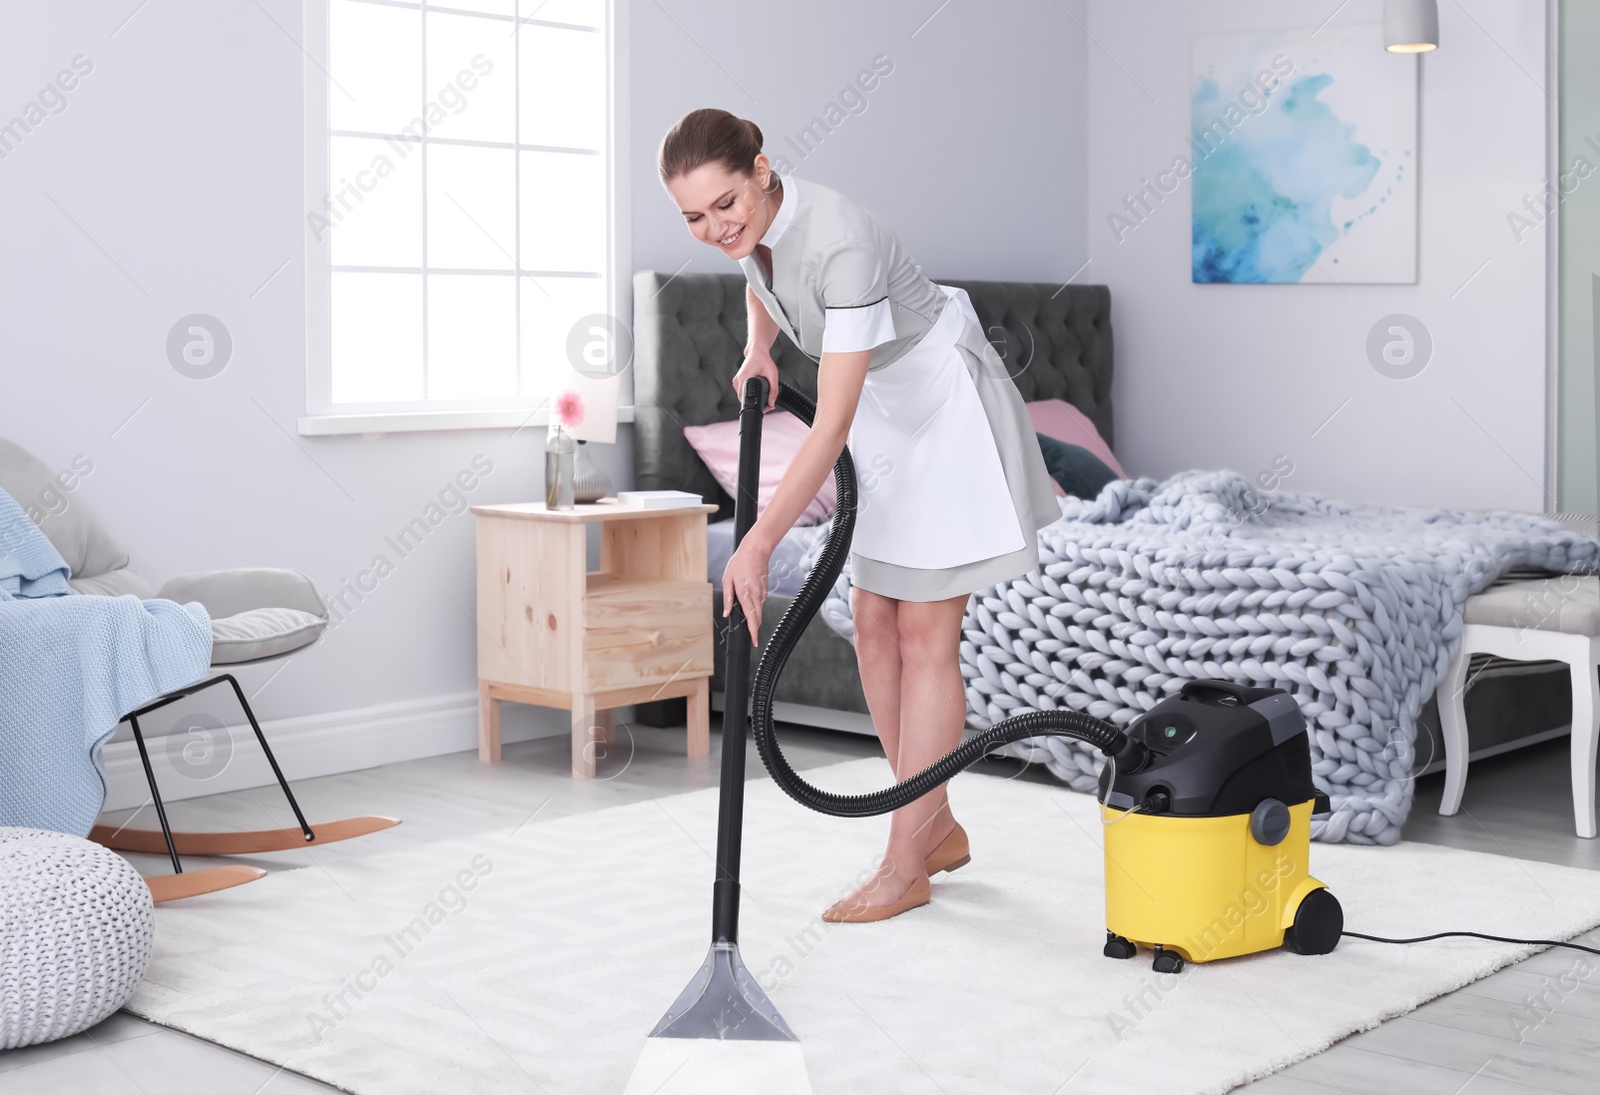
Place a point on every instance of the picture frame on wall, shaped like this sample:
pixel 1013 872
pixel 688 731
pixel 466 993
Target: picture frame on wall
pixel 1305 158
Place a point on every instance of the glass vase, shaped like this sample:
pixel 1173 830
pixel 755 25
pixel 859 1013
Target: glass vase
pixel 560 458
pixel 589 483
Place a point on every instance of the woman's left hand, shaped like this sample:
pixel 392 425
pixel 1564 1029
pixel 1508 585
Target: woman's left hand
pixel 746 577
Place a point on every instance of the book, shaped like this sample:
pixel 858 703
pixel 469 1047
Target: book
pixel 658 499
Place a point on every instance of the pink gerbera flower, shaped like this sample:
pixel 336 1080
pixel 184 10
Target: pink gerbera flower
pixel 569 408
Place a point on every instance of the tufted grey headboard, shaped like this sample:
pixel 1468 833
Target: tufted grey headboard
pixel 689 332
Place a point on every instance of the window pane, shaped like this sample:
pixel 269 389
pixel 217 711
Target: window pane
pixel 471 78
pixel 377 337
pixel 375 56
pixel 472 336
pixel 587 13
pixel 449 75
pixel 550 309
pixel 563 211
pixel 472 214
pixel 563 87
pixel 376 199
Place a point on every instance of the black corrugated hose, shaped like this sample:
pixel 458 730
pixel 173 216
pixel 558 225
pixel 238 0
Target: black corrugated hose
pixel 1130 755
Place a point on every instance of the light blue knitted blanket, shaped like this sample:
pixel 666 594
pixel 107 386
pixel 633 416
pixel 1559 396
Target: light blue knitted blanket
pixel 1355 610
pixel 70 667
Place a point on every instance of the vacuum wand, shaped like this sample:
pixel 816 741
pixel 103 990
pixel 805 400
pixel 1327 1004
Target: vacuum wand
pixel 736 693
pixel 722 1003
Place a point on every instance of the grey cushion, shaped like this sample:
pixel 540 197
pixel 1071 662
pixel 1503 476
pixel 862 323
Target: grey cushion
pixel 67 520
pixel 262 633
pixel 115 583
pixel 256 612
pixel 230 592
pixel 1566 603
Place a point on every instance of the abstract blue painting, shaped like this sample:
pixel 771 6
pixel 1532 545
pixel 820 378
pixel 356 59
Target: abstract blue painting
pixel 1304 149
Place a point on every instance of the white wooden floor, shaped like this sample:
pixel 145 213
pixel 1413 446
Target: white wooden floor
pixel 1516 805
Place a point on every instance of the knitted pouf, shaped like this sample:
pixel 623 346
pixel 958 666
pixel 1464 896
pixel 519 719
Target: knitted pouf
pixel 76 928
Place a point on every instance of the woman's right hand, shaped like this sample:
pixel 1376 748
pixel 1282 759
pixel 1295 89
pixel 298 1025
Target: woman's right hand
pixel 757 363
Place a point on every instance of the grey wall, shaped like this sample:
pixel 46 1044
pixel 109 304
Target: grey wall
pixel 171 184
pixel 1235 376
pixel 971 151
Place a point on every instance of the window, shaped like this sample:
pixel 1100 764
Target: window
pixel 461 205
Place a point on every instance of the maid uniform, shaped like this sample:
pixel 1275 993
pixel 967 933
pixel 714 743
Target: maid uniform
pixel 952 487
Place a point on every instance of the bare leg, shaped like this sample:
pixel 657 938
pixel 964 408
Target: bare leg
pixel 933 711
pixel 922 654
pixel 878 656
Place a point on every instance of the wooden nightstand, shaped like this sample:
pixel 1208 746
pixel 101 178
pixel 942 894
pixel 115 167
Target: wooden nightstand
pixel 553 633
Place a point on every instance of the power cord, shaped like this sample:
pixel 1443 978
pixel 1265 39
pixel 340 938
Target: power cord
pixel 1474 935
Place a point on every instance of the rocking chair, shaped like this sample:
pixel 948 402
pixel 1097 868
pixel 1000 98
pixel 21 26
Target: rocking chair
pixel 258 615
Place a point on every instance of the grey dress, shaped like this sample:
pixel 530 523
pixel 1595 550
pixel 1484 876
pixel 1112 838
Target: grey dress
pixel 952 485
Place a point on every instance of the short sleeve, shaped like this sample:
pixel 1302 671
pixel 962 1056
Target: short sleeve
pixel 855 296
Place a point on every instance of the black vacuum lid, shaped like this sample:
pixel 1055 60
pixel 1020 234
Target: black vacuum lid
pixel 1216 748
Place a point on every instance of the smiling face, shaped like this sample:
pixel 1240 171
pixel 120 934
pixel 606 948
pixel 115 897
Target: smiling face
pixel 726 209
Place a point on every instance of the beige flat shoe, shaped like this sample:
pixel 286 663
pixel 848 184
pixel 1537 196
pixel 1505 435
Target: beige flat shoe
pixel 951 854
pixel 845 913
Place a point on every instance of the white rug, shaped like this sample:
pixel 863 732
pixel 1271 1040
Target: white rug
pixel 554 949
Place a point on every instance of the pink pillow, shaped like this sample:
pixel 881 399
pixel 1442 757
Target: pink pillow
pixel 781 436
pixel 1064 422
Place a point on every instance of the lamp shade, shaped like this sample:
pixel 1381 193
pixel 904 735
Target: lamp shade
pixel 1410 26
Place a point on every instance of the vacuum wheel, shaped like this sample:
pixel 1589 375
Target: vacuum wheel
pixel 1118 947
pixel 1318 923
pixel 1167 961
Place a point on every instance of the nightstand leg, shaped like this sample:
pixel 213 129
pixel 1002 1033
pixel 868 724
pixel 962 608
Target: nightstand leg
pixel 583 736
pixel 488 726
pixel 605 727
pixel 699 720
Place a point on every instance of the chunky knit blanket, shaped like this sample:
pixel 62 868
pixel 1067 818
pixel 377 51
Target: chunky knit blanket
pixel 1355 610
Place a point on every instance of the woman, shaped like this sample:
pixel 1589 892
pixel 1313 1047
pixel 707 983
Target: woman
pixel 907 377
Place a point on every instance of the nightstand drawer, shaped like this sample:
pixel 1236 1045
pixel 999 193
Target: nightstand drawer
pixel 622 657
pixel 621 601
pixel 637 632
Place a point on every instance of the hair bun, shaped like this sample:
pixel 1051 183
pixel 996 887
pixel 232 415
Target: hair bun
pixel 709 135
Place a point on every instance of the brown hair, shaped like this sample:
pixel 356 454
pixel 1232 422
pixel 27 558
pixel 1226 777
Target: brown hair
pixel 709 135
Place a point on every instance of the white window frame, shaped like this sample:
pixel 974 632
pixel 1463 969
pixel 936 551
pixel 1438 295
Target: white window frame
pixel 322 415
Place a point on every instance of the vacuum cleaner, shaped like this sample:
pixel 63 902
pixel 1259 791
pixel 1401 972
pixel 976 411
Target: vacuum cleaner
pixel 1207 801
pixel 1207 797
pixel 1214 863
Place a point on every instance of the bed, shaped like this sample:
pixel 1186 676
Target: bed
pixel 689 330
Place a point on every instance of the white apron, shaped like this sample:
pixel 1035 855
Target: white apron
pixel 931 489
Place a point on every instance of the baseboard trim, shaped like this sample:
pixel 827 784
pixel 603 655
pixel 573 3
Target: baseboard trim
pixel 306 746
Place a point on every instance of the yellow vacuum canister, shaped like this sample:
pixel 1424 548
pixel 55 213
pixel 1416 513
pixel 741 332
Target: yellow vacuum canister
pixel 1208 845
